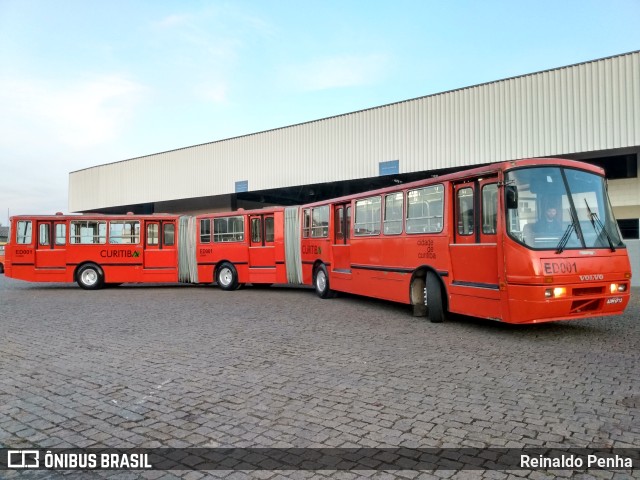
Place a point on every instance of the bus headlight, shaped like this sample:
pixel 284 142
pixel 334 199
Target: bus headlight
pixel 557 292
pixel 618 287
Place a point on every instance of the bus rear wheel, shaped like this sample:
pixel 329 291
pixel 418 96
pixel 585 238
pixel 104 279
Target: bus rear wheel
pixel 227 276
pixel 90 277
pixel 434 299
pixel 321 283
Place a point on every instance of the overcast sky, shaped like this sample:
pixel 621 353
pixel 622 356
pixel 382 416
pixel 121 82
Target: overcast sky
pixel 84 83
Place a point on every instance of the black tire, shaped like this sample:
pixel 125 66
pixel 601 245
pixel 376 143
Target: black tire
pixel 1 268
pixel 437 313
pixel 227 276
pixel 321 283
pixel 90 277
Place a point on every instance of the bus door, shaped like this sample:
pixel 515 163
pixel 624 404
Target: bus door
pixel 262 263
pixel 341 247
pixel 474 250
pixel 160 245
pixel 51 244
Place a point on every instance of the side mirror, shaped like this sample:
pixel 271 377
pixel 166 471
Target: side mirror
pixel 511 194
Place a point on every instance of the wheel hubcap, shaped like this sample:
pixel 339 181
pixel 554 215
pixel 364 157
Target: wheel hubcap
pixel 321 281
pixel 89 277
pixel 225 277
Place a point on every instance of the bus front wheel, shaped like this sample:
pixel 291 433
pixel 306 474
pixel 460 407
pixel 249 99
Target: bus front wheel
pixel 434 298
pixel 227 276
pixel 90 277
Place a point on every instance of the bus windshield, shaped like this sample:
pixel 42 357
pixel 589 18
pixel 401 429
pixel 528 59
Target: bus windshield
pixel 561 208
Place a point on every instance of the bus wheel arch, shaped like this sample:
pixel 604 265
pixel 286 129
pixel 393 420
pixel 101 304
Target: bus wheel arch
pixel 226 276
pixel 89 276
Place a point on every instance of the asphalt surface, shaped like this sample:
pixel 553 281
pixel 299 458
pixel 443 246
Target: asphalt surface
pixel 195 366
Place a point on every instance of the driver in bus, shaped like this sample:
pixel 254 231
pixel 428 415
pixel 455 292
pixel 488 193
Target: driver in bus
pixel 546 228
pixel 549 224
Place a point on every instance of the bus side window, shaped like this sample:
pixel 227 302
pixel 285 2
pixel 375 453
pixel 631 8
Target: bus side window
pixel 169 234
pixel 306 223
pixel 338 220
pixel 227 229
pixel 23 232
pixel 393 208
pixel 424 210
pixel 320 222
pixel 269 230
pixel 205 230
pixel 124 231
pixel 489 208
pixel 43 236
pixel 367 221
pixel 465 211
pixel 236 229
pixel 152 234
pixel 256 234
pixel 61 234
pixel 88 232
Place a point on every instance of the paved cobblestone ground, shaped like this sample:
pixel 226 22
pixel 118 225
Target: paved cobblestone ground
pixel 174 366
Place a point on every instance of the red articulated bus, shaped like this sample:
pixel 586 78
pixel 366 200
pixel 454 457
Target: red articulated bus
pixel 97 250
pixel 524 241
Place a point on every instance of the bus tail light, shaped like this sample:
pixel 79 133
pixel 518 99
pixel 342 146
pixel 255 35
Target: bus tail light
pixel 557 292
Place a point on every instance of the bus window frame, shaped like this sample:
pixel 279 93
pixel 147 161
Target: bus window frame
pixel 168 235
pixel 369 210
pixel 21 238
pixel 320 224
pixel 78 237
pixel 202 234
pixel 60 234
pixel 386 221
pixel 44 240
pixel 461 214
pixel 152 239
pixel 227 236
pixel 119 238
pixel 427 227
pixel 493 216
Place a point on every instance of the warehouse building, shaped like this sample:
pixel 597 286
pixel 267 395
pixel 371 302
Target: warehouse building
pixel 589 111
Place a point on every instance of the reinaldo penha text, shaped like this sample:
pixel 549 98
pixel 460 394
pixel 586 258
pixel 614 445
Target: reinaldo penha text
pixel 569 461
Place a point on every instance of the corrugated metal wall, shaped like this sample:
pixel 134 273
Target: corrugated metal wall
pixel 581 108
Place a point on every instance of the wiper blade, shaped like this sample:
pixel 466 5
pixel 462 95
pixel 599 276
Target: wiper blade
pixel 596 221
pixel 565 237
